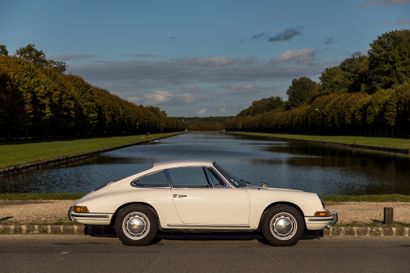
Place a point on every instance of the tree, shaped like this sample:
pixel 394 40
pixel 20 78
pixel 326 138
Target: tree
pixel 349 76
pixel 333 80
pixel 352 98
pixel 355 71
pixel 375 111
pixel 263 105
pixel 389 60
pixel 35 101
pixel 58 66
pixel 33 55
pixel 38 58
pixel 3 50
pixel 12 115
pixel 302 90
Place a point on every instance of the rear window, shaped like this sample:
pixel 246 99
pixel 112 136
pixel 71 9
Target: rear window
pixel 154 180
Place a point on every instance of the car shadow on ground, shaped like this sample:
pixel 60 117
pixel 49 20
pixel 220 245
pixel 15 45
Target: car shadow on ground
pixel 109 231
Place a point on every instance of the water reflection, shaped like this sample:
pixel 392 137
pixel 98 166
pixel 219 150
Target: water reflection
pixel 326 170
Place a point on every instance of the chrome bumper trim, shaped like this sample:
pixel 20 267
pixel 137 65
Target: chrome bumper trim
pixel 320 219
pixel 332 219
pixel 88 215
pixel 72 216
pixel 70 211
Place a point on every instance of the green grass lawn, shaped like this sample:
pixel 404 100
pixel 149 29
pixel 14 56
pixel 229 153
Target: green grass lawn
pixel 385 142
pixel 42 196
pixel 20 153
pixel 367 198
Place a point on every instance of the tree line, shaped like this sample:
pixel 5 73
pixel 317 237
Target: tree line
pixel 365 94
pixel 205 123
pixel 38 99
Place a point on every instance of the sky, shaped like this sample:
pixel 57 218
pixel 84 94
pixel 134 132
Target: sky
pixel 198 58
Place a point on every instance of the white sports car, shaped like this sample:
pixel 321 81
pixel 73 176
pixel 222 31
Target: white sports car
pixel 199 195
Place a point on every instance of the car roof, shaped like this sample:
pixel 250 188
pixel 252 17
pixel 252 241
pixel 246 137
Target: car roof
pixel 181 163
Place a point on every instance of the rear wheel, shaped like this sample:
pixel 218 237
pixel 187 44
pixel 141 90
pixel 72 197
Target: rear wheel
pixel 136 225
pixel 282 225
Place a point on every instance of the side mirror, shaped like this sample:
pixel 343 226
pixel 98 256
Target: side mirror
pixel 264 185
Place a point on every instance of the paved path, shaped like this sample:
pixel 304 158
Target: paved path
pixel 61 253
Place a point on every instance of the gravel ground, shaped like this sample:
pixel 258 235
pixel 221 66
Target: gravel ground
pixel 369 212
pixel 55 211
pixel 34 212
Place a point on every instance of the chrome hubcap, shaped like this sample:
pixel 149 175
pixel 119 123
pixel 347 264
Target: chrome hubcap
pixel 283 226
pixel 136 225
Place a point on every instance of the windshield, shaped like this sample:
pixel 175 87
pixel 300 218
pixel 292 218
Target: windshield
pixel 236 182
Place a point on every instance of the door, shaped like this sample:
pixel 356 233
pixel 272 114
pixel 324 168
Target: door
pixel 199 203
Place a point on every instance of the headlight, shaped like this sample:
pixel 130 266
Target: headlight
pixel 80 209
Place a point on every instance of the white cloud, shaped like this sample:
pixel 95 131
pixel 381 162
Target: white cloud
pixel 196 83
pixel 187 98
pixel 213 61
pixel 372 3
pixel 133 99
pixel 158 97
pixel 245 88
pixel 401 21
pixel 299 56
pixel 74 57
pixel 142 55
pixel 162 74
pixel 202 111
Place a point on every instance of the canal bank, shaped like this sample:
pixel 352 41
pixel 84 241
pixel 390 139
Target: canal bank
pixel 40 159
pixel 379 144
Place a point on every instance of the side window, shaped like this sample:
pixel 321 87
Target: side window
pixel 159 179
pixel 216 181
pixel 189 177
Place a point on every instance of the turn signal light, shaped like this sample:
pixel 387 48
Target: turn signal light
pixel 80 209
pixel 322 213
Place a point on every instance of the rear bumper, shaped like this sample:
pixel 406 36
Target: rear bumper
pixel 317 223
pixel 89 218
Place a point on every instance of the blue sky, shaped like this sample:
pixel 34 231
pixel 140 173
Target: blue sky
pixel 198 58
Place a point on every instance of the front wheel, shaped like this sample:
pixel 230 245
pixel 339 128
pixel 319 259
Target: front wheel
pixel 136 225
pixel 282 225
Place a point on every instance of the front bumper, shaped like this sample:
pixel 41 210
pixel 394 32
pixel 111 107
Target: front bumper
pixel 89 218
pixel 317 223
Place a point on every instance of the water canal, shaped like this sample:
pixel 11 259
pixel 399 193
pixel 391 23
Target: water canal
pixel 322 169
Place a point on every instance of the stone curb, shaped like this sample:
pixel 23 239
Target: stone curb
pixel 367 231
pixel 82 229
pixel 42 229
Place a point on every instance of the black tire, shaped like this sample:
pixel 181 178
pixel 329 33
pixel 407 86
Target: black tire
pixel 136 225
pixel 282 225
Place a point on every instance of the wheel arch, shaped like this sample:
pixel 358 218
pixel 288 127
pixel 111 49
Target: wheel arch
pixel 281 203
pixel 135 203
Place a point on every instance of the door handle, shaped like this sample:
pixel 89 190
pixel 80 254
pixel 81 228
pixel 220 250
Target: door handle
pixel 179 195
